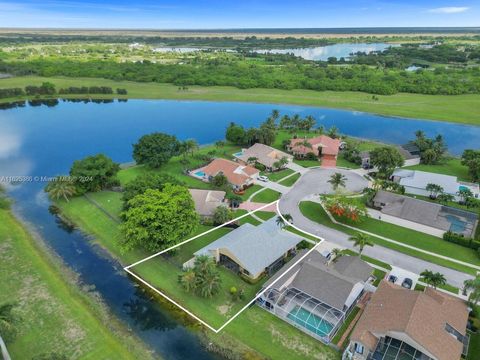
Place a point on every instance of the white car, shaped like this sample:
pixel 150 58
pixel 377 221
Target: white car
pixel 263 178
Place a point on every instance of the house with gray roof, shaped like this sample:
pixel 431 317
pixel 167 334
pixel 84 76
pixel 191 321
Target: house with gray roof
pixel 415 182
pixel 252 250
pixel 316 294
pixel 206 201
pixel 443 218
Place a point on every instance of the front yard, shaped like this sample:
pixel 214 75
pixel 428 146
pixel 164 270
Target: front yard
pixel 450 166
pixel 315 212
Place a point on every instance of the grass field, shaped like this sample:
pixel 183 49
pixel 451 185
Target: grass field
pixel 254 329
pixel 345 325
pixel 315 212
pixel 277 175
pixel 458 108
pixel 55 315
pixel 451 167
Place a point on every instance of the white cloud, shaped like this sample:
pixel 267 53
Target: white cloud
pixel 449 10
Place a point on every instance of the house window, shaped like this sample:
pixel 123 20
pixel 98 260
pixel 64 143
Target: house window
pixel 358 348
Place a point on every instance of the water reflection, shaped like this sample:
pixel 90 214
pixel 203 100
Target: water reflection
pixel 324 52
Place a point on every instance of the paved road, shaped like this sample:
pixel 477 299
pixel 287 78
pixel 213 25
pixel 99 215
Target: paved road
pixel 315 182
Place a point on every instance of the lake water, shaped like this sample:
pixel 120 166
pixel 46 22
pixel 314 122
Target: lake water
pixel 324 52
pixel 44 141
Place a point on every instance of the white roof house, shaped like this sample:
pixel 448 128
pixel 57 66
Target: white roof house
pixel 415 182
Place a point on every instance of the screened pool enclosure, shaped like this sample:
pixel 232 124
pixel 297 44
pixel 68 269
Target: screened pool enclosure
pixel 304 312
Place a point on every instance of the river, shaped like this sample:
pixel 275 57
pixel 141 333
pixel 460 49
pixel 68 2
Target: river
pixel 44 141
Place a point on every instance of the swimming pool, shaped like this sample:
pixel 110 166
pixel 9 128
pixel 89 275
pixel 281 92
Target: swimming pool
pixel 240 153
pixel 200 174
pixel 310 321
pixel 456 224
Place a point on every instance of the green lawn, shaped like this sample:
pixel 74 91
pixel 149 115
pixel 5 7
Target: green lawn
pixel 307 163
pixel 266 196
pixel 277 175
pixel 342 162
pixel 315 212
pixel 458 108
pixel 474 347
pixel 111 201
pixel 370 260
pixel 451 166
pixel 55 315
pixel 446 287
pixel 380 275
pixel 250 191
pixel 291 180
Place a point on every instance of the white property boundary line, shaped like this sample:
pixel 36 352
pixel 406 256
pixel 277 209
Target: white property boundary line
pixel 127 269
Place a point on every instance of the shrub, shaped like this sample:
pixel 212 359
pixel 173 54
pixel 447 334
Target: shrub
pixel 311 156
pixel 260 167
pixel 461 240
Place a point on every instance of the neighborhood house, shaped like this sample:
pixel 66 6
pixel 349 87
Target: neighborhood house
pixel 206 201
pixel 400 324
pixel 409 152
pixel 415 182
pixel 252 250
pixel 322 146
pixel 437 216
pixel 316 294
pixel 238 175
pixel 263 154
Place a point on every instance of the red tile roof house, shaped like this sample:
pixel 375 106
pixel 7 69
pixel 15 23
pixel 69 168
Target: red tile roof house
pixel 323 146
pixel 401 324
pixel 238 175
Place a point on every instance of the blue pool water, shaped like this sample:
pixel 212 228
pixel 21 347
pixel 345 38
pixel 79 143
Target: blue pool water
pixel 200 173
pixel 238 153
pixel 456 224
pixel 309 321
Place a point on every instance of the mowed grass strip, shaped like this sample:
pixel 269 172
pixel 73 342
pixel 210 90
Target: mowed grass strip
pixel 55 315
pixel 452 167
pixel 291 180
pixel 315 212
pixel 453 108
pixel 266 196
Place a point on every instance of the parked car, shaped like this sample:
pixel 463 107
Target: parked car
pixel 263 178
pixel 407 283
pixel 392 278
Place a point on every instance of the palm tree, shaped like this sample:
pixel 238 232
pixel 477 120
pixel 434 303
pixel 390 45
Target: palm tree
pixel 288 218
pixel 280 222
pixel 337 180
pixel 275 114
pixel 190 146
pixel 337 254
pixel 219 144
pixel 464 194
pixel 444 198
pixel 434 190
pixel 8 320
pixel 208 284
pixel 61 187
pixel 188 280
pixel 433 279
pixel 309 122
pixel 333 132
pixel 361 240
pixel 474 286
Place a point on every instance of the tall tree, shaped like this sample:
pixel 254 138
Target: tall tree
pixel 235 134
pixel 386 159
pixel 94 173
pixel 471 159
pixel 61 187
pixel 156 149
pixel 361 240
pixel 156 220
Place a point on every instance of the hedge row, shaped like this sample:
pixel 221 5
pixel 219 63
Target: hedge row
pixel 461 240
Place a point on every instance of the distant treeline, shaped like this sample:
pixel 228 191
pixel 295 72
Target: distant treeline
pixel 407 53
pixel 48 88
pixel 312 76
pixel 53 102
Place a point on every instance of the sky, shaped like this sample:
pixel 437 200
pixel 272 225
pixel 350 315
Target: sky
pixel 227 14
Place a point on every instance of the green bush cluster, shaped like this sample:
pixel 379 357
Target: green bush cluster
pixel 462 240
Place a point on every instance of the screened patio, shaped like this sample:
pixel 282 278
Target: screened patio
pixel 304 312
